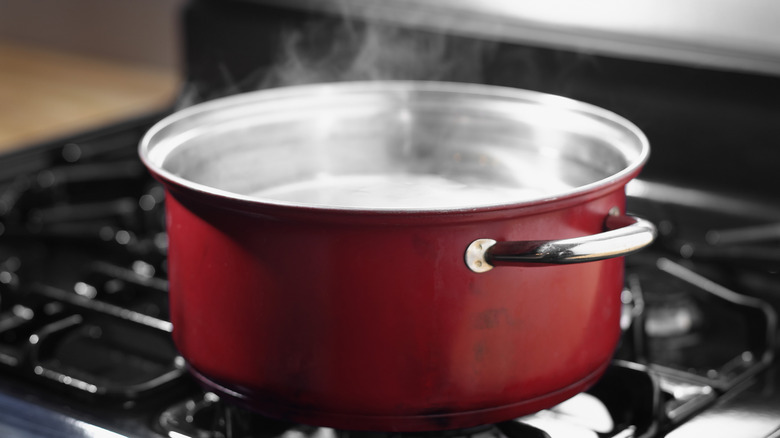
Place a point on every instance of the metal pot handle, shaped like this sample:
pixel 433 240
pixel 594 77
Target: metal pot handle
pixel 626 234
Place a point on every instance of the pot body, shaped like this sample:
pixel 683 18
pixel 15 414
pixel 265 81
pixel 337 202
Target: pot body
pixel 367 317
pixel 369 324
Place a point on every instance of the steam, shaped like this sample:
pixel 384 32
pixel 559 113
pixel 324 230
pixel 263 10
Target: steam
pixel 352 51
pixel 342 49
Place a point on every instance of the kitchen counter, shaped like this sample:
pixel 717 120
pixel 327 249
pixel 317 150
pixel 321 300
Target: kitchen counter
pixel 46 94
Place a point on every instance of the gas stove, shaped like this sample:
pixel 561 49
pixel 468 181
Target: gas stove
pixel 85 345
pixel 85 341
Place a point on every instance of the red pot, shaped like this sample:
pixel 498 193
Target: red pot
pixel 330 249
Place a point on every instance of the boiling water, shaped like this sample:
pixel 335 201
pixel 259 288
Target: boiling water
pixel 395 192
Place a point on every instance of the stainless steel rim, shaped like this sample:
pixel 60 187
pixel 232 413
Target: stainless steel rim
pixel 155 145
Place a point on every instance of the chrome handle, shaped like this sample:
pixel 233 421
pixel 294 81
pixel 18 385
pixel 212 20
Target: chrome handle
pixel 625 235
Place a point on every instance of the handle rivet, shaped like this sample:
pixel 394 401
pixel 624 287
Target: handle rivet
pixel 475 255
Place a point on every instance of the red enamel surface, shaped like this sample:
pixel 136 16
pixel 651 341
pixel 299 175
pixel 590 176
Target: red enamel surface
pixel 373 321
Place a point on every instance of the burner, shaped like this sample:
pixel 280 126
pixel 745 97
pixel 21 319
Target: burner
pixel 673 315
pixel 210 417
pixel 624 402
pixel 673 319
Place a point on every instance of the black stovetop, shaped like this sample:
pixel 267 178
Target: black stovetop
pixel 85 340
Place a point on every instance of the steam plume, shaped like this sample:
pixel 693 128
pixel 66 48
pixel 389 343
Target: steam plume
pixel 350 51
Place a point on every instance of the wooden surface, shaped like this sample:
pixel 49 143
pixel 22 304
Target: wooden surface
pixel 45 94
